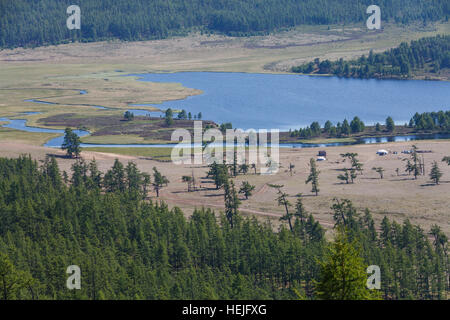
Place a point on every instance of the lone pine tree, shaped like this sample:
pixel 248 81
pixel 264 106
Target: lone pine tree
pixel 71 143
pixel 313 176
pixel 435 173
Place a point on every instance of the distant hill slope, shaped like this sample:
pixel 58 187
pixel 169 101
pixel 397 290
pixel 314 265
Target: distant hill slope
pixel 43 22
pixel 426 57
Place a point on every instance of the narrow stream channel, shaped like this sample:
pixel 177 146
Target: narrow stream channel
pixel 21 124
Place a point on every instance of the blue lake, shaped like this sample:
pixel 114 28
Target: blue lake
pixel 268 101
pixel 21 124
pixel 285 101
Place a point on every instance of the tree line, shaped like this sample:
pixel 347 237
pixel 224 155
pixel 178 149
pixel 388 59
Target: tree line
pixel 427 121
pixel 344 128
pixel 432 53
pixel 43 22
pixel 431 121
pixel 131 248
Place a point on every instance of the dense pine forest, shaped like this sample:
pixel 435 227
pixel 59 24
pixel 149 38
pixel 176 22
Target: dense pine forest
pixel 130 247
pixel 431 121
pixel 438 122
pixel 427 54
pixel 43 22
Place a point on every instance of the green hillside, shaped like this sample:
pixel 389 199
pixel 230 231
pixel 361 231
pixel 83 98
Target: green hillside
pixel 43 22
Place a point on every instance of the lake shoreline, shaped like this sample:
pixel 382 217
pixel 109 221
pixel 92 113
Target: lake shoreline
pixel 250 100
pixel 414 77
pixel 254 100
pixel 381 137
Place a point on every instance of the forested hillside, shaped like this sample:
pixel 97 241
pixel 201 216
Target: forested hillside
pixel 130 248
pixel 43 22
pixel 424 55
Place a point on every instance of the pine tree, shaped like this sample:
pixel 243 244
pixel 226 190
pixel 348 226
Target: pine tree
pixel 188 181
pixel 114 179
pixel 95 175
pixel 343 273
pixel 219 173
pixel 440 239
pixel 232 203
pixel 51 170
pixel 283 201
pixel 246 189
pixel 243 168
pixel 146 181
pixel 313 177
pixel 345 128
pixel 159 181
pixel 169 117
pixel 135 249
pixel 390 125
pixel 71 143
pixel 133 179
pixel 379 170
pixel 128 116
pixel 356 165
pixel 413 165
pixel 345 177
pixel 300 211
pixel 301 216
pixel 12 281
pixel 435 173
pixel 378 127
pixel 345 214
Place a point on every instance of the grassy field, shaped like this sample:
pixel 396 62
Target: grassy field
pixel 272 53
pixel 397 196
pixel 120 139
pixel 33 138
pixel 18 85
pixel 57 73
pixel 161 154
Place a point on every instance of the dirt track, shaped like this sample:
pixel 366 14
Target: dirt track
pixel 398 197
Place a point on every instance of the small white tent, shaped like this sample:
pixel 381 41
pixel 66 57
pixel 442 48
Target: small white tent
pixel 382 152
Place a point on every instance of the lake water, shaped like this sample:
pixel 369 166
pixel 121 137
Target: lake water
pixel 21 124
pixel 437 136
pixel 284 101
pixel 268 101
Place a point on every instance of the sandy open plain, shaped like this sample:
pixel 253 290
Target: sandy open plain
pixel 58 73
pixel 398 197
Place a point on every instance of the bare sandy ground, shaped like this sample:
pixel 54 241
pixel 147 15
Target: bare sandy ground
pixel 398 197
